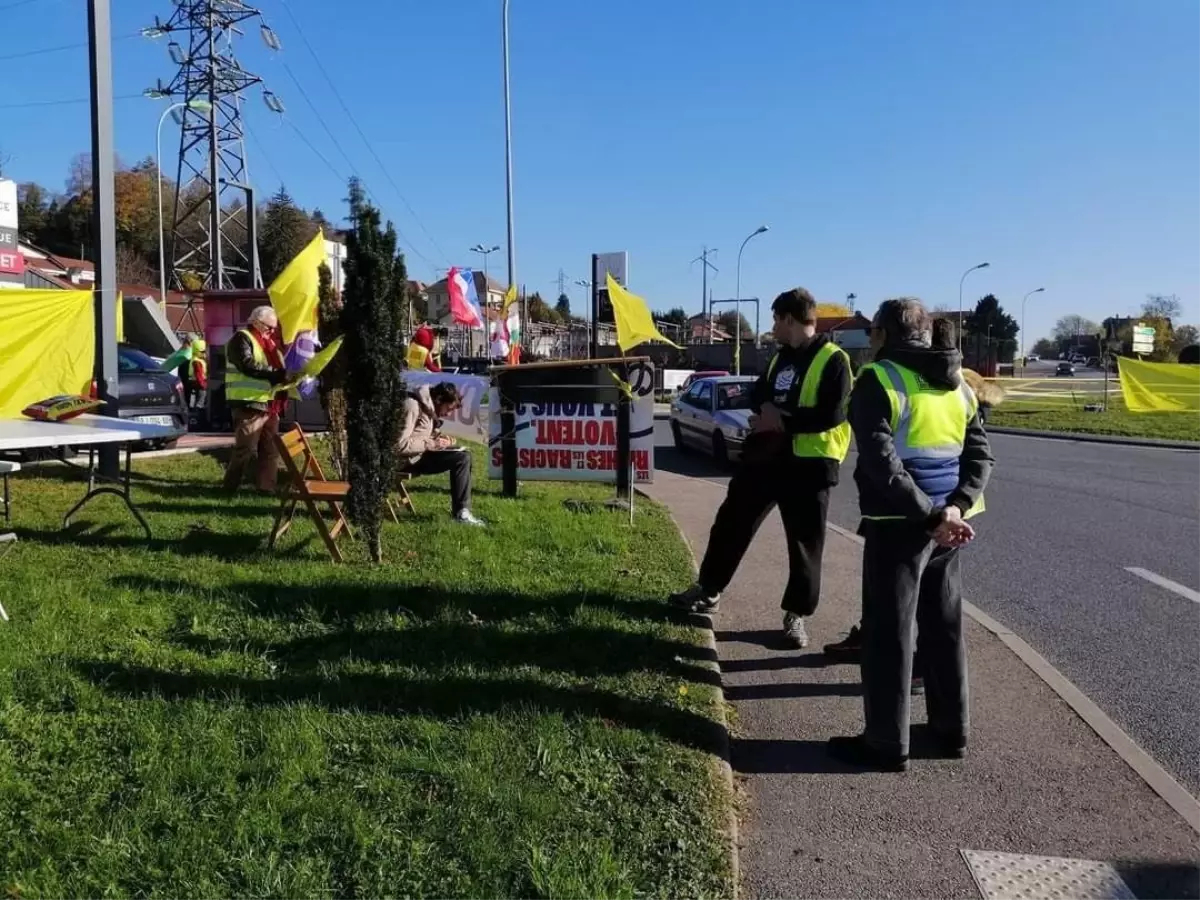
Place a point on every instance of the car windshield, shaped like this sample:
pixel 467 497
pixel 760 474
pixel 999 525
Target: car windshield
pixel 733 396
pixel 130 360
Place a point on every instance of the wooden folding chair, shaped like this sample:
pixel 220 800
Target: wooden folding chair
pixel 306 483
pixel 405 500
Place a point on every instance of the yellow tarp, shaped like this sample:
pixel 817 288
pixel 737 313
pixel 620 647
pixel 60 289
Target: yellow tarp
pixel 295 294
pixel 635 325
pixel 47 346
pixel 1159 387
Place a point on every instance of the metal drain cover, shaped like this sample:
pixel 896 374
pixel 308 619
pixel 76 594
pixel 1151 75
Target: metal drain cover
pixel 1019 876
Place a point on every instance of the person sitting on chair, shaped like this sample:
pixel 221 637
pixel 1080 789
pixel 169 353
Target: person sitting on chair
pixel 423 450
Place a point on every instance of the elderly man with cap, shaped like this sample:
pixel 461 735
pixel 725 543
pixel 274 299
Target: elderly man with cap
pixel 254 371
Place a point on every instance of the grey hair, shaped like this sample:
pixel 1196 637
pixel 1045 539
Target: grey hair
pixel 904 320
pixel 263 313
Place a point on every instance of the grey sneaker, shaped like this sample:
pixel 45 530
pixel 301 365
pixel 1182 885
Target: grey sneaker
pixel 695 599
pixel 466 517
pixel 794 631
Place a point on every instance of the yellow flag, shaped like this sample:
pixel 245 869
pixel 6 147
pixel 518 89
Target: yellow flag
pixel 120 318
pixel 47 344
pixel 510 296
pixel 294 294
pixel 1159 387
pixel 635 325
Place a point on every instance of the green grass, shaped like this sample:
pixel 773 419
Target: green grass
pixel 503 712
pixel 1068 415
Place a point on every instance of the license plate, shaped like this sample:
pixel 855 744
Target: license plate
pixel 156 420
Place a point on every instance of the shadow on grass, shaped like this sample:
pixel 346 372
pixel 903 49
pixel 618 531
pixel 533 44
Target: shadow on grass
pixel 337 602
pixel 196 542
pixel 443 697
pixel 586 651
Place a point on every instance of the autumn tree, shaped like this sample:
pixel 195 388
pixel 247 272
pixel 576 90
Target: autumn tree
pixel 834 311
pixel 728 321
pixel 541 311
pixel 1162 306
pixel 376 279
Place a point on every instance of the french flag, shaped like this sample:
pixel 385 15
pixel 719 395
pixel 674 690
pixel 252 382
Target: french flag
pixel 464 300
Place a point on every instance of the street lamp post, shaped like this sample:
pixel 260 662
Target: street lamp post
pixel 1023 299
pixel 508 191
pixel 737 302
pixel 484 251
pixel 982 265
pixel 199 106
pixel 587 309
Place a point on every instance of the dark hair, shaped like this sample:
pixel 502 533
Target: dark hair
pixel 1190 355
pixel 444 393
pixel 903 320
pixel 945 335
pixel 797 303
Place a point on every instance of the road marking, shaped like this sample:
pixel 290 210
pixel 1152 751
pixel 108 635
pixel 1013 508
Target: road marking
pixel 1001 876
pixel 1173 586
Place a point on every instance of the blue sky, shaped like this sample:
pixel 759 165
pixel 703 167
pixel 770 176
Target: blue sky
pixel 888 145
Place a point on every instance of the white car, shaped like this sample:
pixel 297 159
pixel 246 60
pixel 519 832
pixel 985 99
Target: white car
pixel 713 415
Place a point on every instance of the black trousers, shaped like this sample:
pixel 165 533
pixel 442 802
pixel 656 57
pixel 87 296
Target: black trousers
pixel 912 592
pixel 458 464
pixel 754 490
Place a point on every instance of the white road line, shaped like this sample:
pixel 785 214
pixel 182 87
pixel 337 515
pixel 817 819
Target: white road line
pixel 1173 586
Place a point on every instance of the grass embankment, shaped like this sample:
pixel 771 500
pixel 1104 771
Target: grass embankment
pixel 1058 405
pixel 501 712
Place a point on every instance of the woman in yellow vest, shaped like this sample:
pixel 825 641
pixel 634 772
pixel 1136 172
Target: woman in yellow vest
pixel 791 459
pixel 923 463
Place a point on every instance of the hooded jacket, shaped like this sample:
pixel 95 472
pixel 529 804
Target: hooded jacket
pixel 885 487
pixel 417 426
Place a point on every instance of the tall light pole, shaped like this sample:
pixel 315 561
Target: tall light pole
pixel 587 308
pixel 1023 299
pixel 737 302
pixel 199 106
pixel 508 191
pixel 706 265
pixel 982 265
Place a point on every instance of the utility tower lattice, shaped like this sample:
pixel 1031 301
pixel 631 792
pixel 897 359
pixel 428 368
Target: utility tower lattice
pixel 211 236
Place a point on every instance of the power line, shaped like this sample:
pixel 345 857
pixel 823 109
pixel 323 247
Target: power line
pixel 61 47
pixel 263 152
pixel 15 5
pixel 32 103
pixel 362 136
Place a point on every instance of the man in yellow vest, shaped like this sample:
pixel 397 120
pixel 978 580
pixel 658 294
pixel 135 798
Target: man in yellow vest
pixel 923 463
pixel 253 371
pixel 799 437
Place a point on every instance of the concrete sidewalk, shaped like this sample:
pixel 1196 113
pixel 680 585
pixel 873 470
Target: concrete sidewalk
pixel 1037 779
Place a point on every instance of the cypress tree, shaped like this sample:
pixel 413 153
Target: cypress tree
pixel 372 314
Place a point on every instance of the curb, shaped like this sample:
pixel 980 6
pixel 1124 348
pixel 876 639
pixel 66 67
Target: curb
pixel 1143 764
pixel 724 763
pixel 1160 443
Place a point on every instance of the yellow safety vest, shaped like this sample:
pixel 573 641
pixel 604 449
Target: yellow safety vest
pixel 831 444
pixel 417 355
pixel 929 427
pixel 239 386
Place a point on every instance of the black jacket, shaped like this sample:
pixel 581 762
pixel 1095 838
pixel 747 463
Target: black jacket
pixel 793 363
pixel 241 353
pixel 884 487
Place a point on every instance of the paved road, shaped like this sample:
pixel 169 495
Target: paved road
pixel 1065 521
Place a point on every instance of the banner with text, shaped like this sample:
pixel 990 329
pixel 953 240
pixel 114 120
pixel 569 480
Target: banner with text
pixel 472 415
pixel 578 441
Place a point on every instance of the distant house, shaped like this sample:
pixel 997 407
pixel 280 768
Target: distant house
pixel 853 333
pixel 437 297
pixel 700 326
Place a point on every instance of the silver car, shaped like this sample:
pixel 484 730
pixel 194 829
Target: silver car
pixel 713 415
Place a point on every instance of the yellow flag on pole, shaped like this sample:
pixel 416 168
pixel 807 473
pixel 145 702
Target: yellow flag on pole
pixel 1159 387
pixel 295 293
pixel 510 296
pixel 635 325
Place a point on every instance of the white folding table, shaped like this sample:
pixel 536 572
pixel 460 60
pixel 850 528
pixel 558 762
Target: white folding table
pixel 88 431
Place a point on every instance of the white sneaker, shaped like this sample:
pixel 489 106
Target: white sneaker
pixel 466 517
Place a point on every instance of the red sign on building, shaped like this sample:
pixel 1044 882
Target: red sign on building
pixel 12 263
